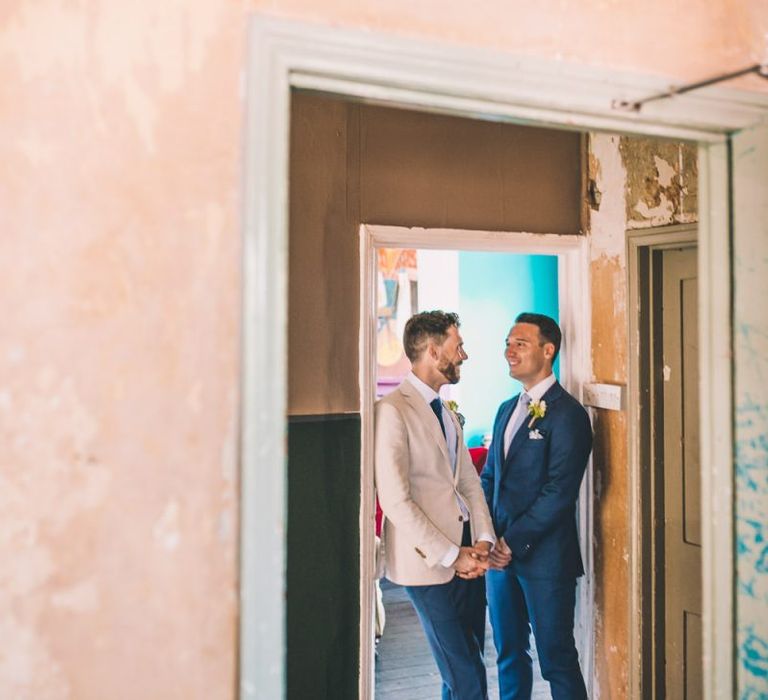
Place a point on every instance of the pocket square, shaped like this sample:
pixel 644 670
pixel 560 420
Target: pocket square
pixel 535 435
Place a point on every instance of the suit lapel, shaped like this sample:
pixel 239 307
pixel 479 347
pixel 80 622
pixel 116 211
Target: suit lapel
pixel 502 427
pixel 457 428
pixel 517 438
pixel 426 415
pixel 498 444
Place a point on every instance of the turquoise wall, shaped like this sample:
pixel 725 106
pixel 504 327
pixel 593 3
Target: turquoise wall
pixel 493 289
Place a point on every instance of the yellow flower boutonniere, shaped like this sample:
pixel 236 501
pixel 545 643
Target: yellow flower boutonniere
pixel 536 409
pixel 453 406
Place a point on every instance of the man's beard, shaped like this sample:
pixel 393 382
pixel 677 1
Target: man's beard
pixel 450 371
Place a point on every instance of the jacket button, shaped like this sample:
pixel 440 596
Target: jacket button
pixel 461 519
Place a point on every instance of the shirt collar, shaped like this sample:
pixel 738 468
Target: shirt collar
pixel 538 390
pixel 427 392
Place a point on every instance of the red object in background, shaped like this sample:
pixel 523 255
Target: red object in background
pixel 478 455
pixel 378 518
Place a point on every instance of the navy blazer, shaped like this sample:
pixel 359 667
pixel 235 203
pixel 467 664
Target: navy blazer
pixel 532 493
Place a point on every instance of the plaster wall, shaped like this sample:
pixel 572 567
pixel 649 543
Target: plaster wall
pixel 119 284
pixel 689 39
pixel 637 183
pixel 121 151
pixel 750 346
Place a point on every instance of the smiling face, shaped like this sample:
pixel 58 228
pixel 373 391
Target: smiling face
pixel 450 355
pixel 529 356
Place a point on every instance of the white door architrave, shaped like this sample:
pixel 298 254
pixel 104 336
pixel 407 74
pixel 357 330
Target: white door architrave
pixel 573 303
pixel 460 80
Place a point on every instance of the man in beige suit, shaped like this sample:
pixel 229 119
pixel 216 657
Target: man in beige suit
pixel 437 531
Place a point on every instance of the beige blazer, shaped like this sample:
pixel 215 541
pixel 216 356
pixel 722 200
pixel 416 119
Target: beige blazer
pixel 417 490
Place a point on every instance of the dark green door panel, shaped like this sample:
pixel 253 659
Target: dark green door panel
pixel 323 613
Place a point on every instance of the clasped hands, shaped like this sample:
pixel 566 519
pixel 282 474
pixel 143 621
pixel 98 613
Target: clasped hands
pixel 475 561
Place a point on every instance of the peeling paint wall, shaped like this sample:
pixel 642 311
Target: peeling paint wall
pixel 121 148
pixel 633 183
pixel 606 226
pixel 662 181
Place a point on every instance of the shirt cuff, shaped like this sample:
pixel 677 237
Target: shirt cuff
pixel 485 537
pixel 450 557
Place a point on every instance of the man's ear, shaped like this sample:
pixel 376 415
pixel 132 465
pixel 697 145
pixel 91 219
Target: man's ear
pixel 433 349
pixel 549 350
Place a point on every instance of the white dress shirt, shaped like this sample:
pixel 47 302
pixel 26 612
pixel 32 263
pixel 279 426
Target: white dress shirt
pixel 535 392
pixel 429 395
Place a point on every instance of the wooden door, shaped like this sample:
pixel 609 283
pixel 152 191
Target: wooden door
pixel 681 477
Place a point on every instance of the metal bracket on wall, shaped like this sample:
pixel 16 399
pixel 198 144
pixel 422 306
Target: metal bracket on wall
pixel 760 69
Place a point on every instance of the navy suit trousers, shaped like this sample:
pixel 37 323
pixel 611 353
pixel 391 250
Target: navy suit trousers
pixel 453 617
pixel 516 605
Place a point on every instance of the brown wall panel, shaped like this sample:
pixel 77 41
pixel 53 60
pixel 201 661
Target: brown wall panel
pixel 324 272
pixel 433 170
pixel 355 163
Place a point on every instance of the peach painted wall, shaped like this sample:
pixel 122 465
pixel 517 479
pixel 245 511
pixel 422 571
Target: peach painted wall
pixel 686 39
pixel 121 151
pixel 120 253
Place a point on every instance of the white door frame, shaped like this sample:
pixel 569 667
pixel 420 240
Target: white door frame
pixel 573 301
pixel 472 82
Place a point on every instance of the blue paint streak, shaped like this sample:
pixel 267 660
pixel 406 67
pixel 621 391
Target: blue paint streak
pixel 754 655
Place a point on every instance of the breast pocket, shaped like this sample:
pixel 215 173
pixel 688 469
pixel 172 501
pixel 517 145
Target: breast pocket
pixel 533 450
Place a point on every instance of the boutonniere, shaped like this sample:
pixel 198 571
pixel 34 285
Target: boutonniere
pixel 536 409
pixel 453 406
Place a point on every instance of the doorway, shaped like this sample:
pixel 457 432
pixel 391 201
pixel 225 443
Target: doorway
pixel 572 304
pixel 353 163
pixel 432 77
pixel 487 290
pixel 663 273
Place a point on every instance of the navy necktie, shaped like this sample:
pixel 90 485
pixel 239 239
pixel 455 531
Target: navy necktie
pixel 437 407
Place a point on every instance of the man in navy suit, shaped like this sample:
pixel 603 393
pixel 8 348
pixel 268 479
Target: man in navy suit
pixel 541 442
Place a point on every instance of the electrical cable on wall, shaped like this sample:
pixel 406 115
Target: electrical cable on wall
pixel 760 69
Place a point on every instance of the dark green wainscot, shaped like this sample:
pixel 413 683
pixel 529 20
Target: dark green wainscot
pixel 323 606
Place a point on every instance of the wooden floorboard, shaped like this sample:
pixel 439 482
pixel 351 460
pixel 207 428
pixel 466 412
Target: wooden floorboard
pixel 405 669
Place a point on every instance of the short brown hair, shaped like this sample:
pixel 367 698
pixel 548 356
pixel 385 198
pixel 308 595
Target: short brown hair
pixel 548 329
pixel 423 326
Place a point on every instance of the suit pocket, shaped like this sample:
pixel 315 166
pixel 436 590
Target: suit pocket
pixel 534 444
pixel 528 470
